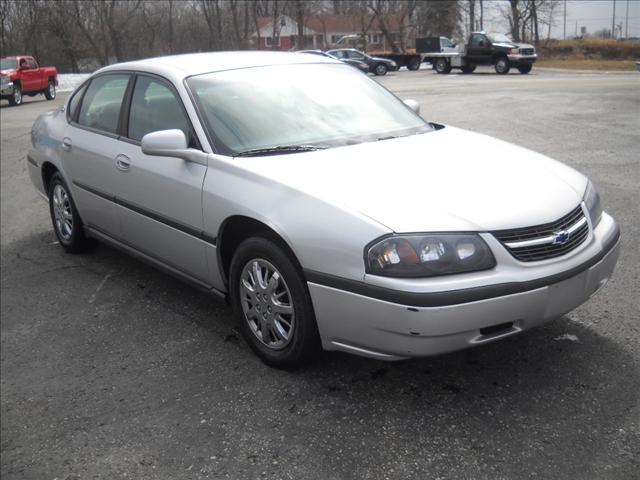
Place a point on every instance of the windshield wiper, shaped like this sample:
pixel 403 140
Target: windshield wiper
pixel 280 149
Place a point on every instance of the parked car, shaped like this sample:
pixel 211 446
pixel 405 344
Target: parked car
pixel 377 65
pixel 362 66
pixel 21 76
pixel 328 212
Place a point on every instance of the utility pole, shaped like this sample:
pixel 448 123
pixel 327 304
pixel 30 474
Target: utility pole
pixel 613 21
pixel 564 30
pixel 482 14
pixel 626 21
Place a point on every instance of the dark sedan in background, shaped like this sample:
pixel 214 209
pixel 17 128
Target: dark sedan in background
pixel 377 65
pixel 360 65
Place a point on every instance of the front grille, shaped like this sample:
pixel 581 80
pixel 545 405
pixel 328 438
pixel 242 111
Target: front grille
pixel 531 244
pixel 527 51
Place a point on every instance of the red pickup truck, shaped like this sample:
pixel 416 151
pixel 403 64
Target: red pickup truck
pixel 22 76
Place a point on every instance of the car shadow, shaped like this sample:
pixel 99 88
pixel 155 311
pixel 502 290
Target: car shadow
pixel 552 399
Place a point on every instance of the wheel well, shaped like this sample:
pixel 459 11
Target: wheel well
pixel 52 79
pixel 499 55
pixel 235 230
pixel 48 169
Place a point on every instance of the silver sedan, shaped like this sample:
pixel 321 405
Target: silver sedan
pixel 329 213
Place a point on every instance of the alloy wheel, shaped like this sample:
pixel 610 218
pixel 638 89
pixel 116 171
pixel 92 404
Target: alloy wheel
pixel 267 303
pixel 62 213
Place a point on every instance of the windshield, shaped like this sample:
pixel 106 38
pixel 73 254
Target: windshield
pixel 320 105
pixel 8 64
pixel 499 38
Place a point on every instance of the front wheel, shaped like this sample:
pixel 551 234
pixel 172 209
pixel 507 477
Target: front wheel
pixel 272 303
pixel 65 218
pixel 502 65
pixel 50 92
pixel 16 98
pixel 524 69
pixel 442 65
pixel 381 69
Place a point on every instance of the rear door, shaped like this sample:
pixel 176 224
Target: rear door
pixel 90 147
pixel 160 198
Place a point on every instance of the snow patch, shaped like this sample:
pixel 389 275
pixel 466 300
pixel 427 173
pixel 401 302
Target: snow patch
pixel 67 82
pixel 568 336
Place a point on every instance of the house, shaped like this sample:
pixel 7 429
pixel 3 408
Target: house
pixel 323 32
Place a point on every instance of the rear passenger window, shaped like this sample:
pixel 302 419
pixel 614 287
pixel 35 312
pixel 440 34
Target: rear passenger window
pixel 101 105
pixel 155 107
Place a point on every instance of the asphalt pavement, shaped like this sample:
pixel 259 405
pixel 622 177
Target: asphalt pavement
pixel 111 369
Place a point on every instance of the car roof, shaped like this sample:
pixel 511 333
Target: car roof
pixel 178 67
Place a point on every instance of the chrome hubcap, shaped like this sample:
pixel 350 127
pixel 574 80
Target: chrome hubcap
pixel 17 95
pixel 62 214
pixel 267 304
pixel 52 90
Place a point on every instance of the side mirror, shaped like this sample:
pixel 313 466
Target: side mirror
pixel 481 43
pixel 171 143
pixel 412 104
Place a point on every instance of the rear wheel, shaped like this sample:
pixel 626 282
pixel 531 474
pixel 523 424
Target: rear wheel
pixel 270 298
pixel 442 65
pixel 502 65
pixel 381 69
pixel 525 68
pixel 16 98
pixel 50 92
pixel 468 69
pixel 64 216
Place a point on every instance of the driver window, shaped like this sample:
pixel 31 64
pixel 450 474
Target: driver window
pixel 155 107
pixel 356 55
pixel 477 41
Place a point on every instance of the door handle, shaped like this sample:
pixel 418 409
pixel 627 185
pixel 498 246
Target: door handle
pixel 123 162
pixel 66 144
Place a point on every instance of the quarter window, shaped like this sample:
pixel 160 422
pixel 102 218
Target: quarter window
pixel 155 107
pixel 101 105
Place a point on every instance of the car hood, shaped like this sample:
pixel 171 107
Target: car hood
pixel 380 59
pixel 512 45
pixel 445 180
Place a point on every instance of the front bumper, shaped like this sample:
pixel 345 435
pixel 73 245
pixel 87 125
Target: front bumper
pixel 378 328
pixel 6 89
pixel 522 59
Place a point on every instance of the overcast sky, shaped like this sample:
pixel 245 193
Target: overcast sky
pixel 592 14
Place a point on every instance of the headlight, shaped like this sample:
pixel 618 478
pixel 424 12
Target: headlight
pixel 428 255
pixel 592 201
pixel 514 51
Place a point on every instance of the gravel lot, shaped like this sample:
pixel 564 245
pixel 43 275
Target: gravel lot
pixel 110 369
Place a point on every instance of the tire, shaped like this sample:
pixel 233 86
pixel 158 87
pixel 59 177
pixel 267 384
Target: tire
pixel 442 65
pixel 524 69
pixel 291 340
pixel 50 92
pixel 468 69
pixel 66 221
pixel 414 63
pixel 16 97
pixel 502 65
pixel 380 69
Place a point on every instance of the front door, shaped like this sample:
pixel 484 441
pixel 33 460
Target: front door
pixel 160 198
pixel 479 49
